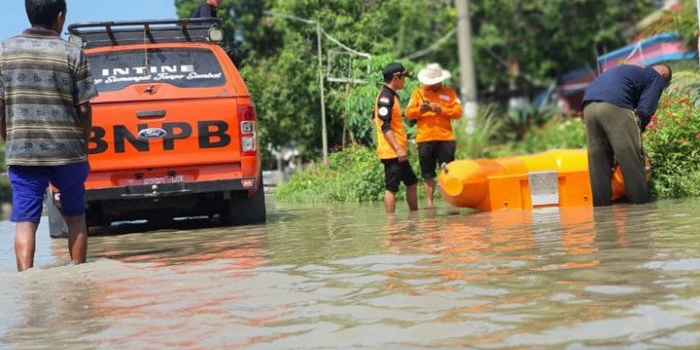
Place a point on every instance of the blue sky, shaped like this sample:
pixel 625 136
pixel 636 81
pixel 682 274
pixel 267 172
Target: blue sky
pixel 13 19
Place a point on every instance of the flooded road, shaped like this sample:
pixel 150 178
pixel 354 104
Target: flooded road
pixel 332 277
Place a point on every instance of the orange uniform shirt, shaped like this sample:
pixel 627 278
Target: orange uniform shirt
pixel 434 126
pixel 387 115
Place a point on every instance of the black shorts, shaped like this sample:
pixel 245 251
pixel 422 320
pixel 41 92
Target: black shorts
pixel 395 173
pixel 434 153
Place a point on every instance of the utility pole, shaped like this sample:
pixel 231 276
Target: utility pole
pixel 466 64
pixel 324 132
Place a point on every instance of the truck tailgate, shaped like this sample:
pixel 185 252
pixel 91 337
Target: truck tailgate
pixel 143 134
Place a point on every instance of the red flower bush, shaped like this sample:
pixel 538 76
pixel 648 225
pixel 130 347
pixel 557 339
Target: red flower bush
pixel 672 140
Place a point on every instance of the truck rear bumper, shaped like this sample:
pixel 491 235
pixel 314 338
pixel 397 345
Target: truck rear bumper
pixel 170 189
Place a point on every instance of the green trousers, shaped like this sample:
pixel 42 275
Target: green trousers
pixel 613 135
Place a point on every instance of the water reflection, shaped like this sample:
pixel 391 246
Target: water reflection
pixel 349 276
pixel 542 259
pixel 46 308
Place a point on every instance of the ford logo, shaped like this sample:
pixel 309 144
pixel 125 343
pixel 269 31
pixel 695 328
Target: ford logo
pixel 152 134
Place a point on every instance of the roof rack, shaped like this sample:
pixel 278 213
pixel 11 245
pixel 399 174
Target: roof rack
pixel 93 34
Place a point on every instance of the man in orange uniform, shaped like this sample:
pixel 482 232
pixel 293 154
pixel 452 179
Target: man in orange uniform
pixel 434 106
pixel 392 142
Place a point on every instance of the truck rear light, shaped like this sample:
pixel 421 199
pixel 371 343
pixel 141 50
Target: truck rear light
pixel 248 144
pixel 246 112
pixel 247 127
pixel 248 132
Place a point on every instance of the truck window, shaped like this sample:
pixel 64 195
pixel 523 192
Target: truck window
pixel 185 68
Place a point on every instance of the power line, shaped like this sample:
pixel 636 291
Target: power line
pixel 363 54
pixel 432 47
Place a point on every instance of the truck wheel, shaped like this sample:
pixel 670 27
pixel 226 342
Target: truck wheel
pixel 57 226
pixel 245 211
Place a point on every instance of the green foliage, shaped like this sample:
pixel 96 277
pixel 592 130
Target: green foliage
pixel 5 190
pixel 2 156
pixel 683 21
pixel 689 83
pixel 245 31
pixel 281 53
pixel 522 131
pixel 354 174
pixel 546 38
pixel 521 121
pixel 524 42
pixel 476 141
pixel 359 102
pixel 555 133
pixel 672 141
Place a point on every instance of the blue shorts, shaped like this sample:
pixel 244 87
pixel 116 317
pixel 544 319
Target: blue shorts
pixel 29 185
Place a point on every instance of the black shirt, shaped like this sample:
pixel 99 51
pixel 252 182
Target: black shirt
pixel 204 10
pixel 629 86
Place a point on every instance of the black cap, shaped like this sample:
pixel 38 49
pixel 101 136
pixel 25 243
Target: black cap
pixel 395 69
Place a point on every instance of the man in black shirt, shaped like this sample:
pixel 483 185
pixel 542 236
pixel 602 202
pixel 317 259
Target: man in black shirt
pixel 617 108
pixel 207 9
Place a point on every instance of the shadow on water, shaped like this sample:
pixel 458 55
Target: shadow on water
pixel 182 241
pixel 179 224
pixel 128 227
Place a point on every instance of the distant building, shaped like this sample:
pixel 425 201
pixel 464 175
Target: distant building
pixel 660 48
pixel 567 92
pixel 666 47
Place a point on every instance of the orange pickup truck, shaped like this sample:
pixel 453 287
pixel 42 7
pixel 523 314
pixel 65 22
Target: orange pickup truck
pixel 174 128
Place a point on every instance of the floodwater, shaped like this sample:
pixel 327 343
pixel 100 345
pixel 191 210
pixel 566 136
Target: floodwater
pixel 335 277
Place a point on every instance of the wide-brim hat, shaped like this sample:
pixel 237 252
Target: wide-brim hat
pixel 433 74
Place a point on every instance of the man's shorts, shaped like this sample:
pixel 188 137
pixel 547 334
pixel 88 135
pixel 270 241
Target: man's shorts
pixel 434 153
pixel 29 185
pixel 395 173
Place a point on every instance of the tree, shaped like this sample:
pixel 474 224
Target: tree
pixel 536 39
pixel 682 20
pixel 548 38
pixel 243 23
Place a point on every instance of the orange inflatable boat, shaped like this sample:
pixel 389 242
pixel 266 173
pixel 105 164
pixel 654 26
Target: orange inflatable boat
pixel 549 179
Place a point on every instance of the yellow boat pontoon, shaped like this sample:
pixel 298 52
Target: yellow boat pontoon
pixel 547 179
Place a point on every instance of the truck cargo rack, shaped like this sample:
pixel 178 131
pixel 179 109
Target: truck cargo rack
pixel 95 34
